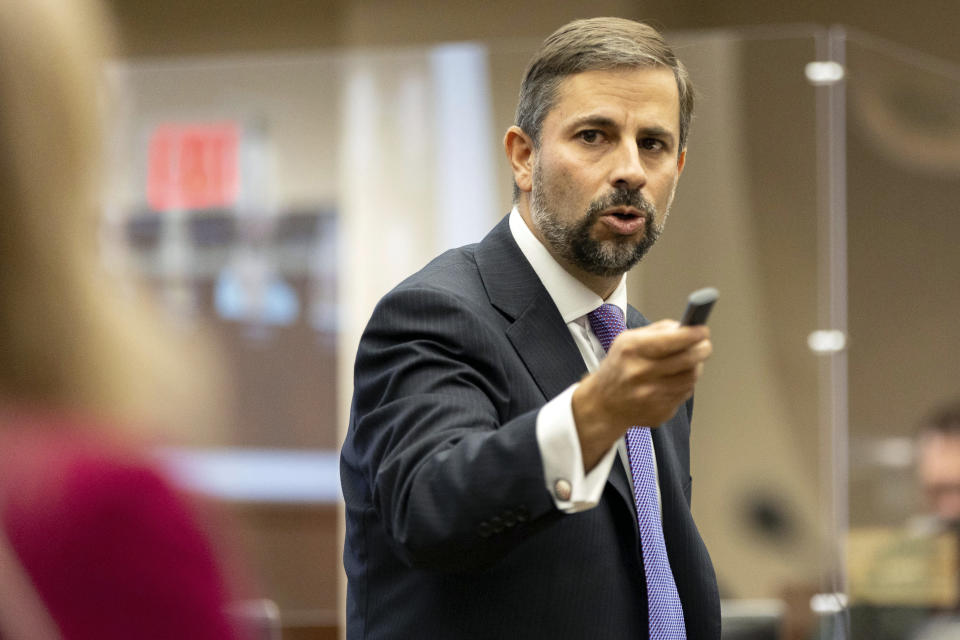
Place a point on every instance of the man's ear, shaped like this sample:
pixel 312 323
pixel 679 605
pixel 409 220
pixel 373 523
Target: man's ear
pixel 519 148
pixel 681 161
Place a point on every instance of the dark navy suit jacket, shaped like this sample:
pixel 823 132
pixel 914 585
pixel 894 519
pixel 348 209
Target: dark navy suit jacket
pixel 450 529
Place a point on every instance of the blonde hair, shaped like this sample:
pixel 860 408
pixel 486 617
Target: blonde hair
pixel 68 337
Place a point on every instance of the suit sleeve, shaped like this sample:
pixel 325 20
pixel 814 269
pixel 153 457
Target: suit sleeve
pixel 454 477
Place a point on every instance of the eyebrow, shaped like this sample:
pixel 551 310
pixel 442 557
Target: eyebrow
pixel 593 121
pixel 656 132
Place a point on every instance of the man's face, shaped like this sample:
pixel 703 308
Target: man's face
pixel 604 176
pixel 938 469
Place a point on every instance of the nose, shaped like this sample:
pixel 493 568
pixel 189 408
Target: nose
pixel 628 171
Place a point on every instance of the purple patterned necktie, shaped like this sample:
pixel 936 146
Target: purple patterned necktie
pixel 663 601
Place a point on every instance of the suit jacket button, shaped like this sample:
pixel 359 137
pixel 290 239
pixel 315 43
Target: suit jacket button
pixel 562 489
pixel 497 524
pixel 484 529
pixel 522 514
pixel 508 518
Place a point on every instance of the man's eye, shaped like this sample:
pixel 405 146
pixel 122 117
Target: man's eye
pixel 652 144
pixel 590 135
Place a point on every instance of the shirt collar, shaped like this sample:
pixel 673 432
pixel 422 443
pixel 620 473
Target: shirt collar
pixel 573 298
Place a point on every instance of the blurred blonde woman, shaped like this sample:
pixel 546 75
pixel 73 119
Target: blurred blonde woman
pixel 104 547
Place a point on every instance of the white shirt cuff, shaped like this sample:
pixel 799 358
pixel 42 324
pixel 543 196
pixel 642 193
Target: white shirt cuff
pixel 572 490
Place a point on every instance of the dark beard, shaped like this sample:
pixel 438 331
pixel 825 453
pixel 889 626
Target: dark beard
pixel 602 258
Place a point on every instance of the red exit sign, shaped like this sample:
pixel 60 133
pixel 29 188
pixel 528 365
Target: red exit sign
pixel 193 166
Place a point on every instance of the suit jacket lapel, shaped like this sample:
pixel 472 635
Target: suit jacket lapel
pixel 542 339
pixel 537 332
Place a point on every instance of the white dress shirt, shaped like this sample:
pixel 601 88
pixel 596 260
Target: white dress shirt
pixel 571 488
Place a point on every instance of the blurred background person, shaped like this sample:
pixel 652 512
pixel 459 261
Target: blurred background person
pixel 905 580
pixel 938 464
pixel 937 467
pixel 109 547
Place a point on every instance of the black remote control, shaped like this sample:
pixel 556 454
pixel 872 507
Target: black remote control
pixel 699 305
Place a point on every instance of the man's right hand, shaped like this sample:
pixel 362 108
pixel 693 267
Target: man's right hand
pixel 644 378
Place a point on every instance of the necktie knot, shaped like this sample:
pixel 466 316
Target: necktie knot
pixel 607 323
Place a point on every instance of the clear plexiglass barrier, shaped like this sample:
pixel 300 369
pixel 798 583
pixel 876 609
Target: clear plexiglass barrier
pixel 275 198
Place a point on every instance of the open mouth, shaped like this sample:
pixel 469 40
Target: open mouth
pixel 624 212
pixel 625 221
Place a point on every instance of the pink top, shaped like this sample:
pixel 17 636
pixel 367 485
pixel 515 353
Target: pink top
pixel 113 550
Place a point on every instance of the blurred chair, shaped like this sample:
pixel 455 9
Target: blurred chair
pixel 257 619
pixel 751 619
pixel 946 628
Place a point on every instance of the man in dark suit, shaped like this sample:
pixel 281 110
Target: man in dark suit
pixel 500 476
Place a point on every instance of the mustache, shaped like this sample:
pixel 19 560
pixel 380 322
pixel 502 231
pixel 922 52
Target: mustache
pixel 623 198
